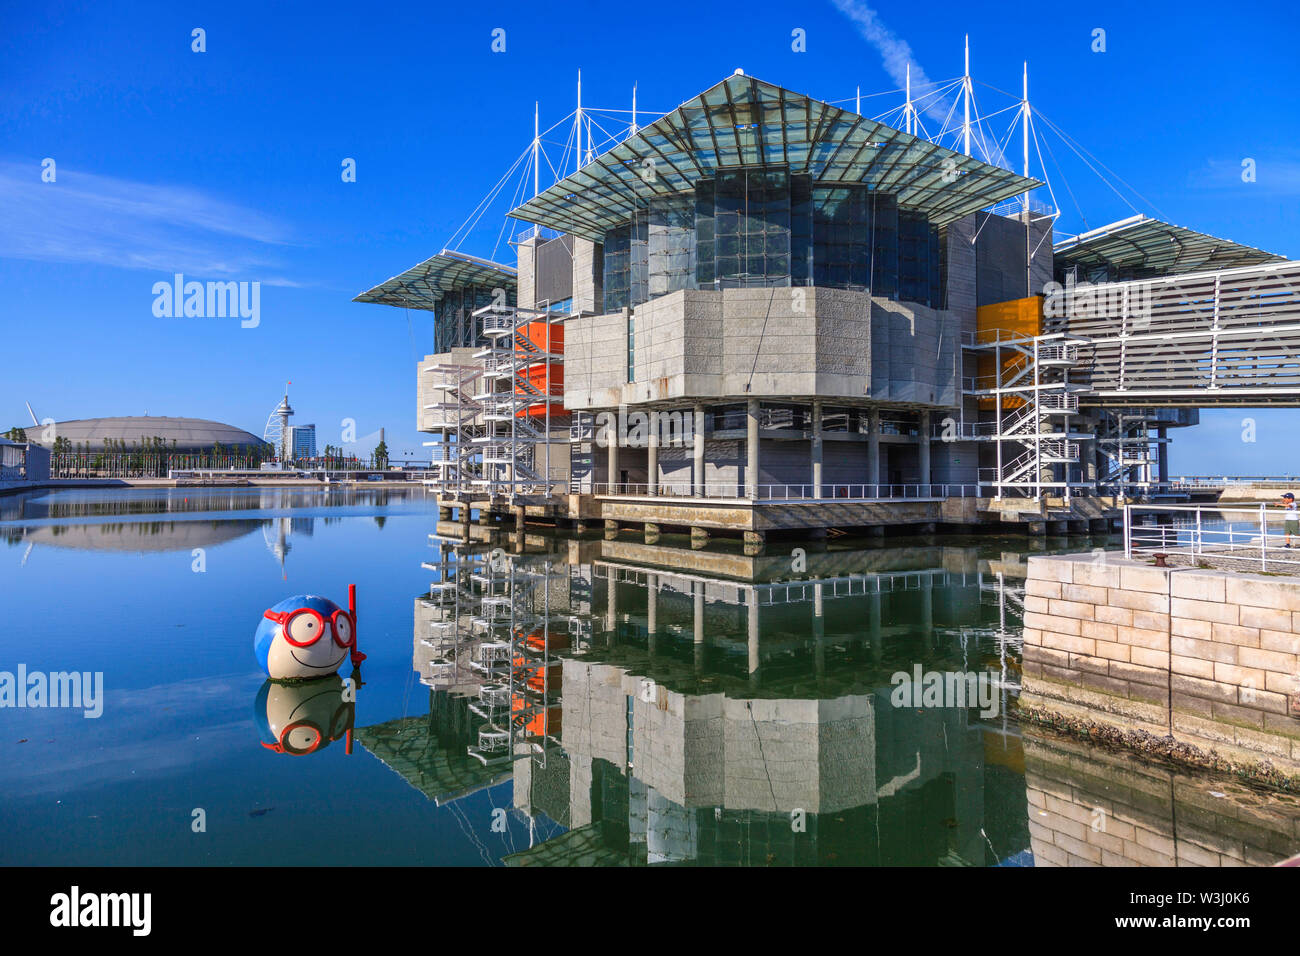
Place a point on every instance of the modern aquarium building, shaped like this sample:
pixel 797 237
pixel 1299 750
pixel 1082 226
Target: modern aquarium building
pixel 763 312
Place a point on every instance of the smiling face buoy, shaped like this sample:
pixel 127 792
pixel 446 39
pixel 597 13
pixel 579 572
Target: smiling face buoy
pixel 304 637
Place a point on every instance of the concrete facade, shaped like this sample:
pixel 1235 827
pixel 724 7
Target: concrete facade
pixel 767 343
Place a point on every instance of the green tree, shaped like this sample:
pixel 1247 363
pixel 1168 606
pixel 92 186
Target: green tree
pixel 381 455
pixel 16 434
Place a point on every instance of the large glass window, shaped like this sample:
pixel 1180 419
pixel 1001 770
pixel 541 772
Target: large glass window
pixel 764 226
pixel 915 248
pixel 454 322
pixel 752 227
pixel 842 237
pixel 626 266
pixel 671 245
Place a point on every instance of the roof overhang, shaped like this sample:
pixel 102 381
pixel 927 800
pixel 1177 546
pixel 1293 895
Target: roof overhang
pixel 422 286
pixel 1159 247
pixel 743 121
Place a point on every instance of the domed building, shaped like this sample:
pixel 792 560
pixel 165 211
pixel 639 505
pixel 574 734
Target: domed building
pixel 187 434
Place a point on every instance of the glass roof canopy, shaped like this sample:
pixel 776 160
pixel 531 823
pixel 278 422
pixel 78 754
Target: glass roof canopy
pixel 422 286
pixel 1158 247
pixel 745 121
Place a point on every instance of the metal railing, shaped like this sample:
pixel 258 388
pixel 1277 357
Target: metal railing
pixel 1205 533
pixel 784 492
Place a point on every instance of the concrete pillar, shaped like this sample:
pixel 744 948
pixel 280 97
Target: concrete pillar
pixel 819 633
pixel 697 620
pixel 751 449
pixel 611 530
pixel 611 435
pixel 611 605
pixel 651 533
pixel 927 605
pixel 697 452
pixel 873 626
pixel 519 520
pixel 873 447
pixel 699 537
pixel 817 450
pixel 923 449
pixel 652 611
pixel 755 656
pixel 1163 456
pixel 652 455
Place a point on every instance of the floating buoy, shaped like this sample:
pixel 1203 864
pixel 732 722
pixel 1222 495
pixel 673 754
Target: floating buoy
pixel 307 636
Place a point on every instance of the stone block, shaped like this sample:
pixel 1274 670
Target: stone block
pixel 1203 610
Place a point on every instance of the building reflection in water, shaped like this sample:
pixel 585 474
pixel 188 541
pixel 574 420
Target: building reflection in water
pixel 738 713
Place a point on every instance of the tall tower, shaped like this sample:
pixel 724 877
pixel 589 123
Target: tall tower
pixel 277 431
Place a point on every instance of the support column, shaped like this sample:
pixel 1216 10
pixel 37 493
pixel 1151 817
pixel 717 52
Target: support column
pixel 1163 455
pixel 927 605
pixel 873 626
pixel 873 448
pixel 697 453
pixel 751 449
pixel 923 450
pixel 699 537
pixel 819 633
pixel 652 455
pixel 520 518
pixel 697 619
pixel 611 606
pixel 817 449
pixel 611 436
pixel 755 655
pixel 652 611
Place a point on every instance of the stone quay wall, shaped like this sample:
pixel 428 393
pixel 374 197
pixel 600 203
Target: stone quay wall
pixel 1208 658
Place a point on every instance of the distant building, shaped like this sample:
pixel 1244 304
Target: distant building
pixel 302 441
pixel 136 431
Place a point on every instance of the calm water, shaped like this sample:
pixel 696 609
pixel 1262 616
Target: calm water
pixel 545 701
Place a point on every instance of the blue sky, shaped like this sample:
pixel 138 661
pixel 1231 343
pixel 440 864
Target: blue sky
pixel 225 165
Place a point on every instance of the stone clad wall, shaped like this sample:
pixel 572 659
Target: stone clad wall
pixel 1208 657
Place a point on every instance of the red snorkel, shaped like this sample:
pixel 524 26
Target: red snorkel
pixel 357 656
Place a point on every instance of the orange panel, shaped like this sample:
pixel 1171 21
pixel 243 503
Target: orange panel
pixel 549 337
pixel 1018 317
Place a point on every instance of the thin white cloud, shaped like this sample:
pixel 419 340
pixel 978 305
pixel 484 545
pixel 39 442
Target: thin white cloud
pixel 895 55
pixel 88 218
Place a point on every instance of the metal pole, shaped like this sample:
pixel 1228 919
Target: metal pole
pixel 966 89
pixel 1263 538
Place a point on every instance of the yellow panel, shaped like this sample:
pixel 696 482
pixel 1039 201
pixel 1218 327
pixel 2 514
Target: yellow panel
pixel 1019 317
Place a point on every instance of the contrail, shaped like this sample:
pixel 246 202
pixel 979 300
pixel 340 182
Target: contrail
pixel 895 54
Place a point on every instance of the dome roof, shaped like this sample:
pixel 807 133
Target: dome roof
pixel 189 433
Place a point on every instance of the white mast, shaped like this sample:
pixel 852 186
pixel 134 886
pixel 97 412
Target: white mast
pixel 1024 116
pixel 966 95
pixel 537 142
pixel 858 104
pixel 907 110
pixel 1024 110
pixel 634 126
pixel 578 160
